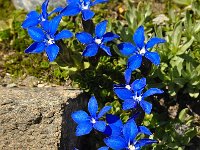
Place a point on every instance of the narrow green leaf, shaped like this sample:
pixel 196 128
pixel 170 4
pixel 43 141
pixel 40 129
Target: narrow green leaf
pixel 185 47
pixel 182 114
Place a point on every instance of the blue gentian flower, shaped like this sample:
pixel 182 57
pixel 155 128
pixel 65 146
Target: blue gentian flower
pixel 94 43
pixel 74 7
pixel 135 53
pixel 87 122
pixel 127 140
pixel 34 18
pixel 46 39
pixel 133 95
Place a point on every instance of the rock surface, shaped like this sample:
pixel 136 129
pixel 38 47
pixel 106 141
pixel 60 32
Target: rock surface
pixel 38 118
pixel 32 4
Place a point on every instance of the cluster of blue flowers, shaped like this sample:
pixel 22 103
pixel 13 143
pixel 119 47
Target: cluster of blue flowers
pixel 120 136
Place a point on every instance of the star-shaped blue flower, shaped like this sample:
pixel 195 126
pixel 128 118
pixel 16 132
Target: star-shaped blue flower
pixel 126 140
pixel 46 39
pixel 133 95
pixel 74 7
pixel 87 122
pixel 34 18
pixel 140 49
pixel 94 43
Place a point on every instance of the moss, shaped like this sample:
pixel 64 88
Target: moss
pixel 6 7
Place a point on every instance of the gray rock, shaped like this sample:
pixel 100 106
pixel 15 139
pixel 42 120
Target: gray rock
pixel 11 85
pixel 7 79
pixel 30 81
pixel 32 4
pixel 38 118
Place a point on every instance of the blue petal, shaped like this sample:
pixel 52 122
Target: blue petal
pixel 146 106
pixel 108 131
pixel 106 49
pixel 64 34
pixel 144 130
pixel 98 1
pixel 80 116
pixel 109 36
pixel 143 142
pixel 114 125
pixel 152 91
pixel 83 128
pixel 138 84
pixel 33 14
pixel 53 25
pixel 154 41
pixel 71 10
pixel 100 126
pixel 153 57
pixel 128 104
pixel 130 131
pixel 52 51
pixel 139 37
pixel 57 10
pixel 31 48
pixel 36 48
pixel 116 143
pixel 44 9
pixel 112 119
pixel 30 22
pixel 100 28
pixel 103 148
pixel 115 130
pixel 91 50
pixel 103 111
pixel 134 62
pixel 127 75
pixel 87 1
pixel 45 25
pixel 72 1
pixel 93 106
pixel 87 14
pixel 36 34
pixel 127 48
pixel 123 93
pixel 84 37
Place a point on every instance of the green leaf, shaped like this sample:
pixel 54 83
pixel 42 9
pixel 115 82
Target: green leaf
pixel 182 114
pixel 183 2
pixel 185 47
pixel 194 94
pixel 197 27
pixel 177 34
pixel 178 63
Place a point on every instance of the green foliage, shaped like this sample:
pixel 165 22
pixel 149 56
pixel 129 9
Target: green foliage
pixel 180 57
pixel 172 133
pixel 178 74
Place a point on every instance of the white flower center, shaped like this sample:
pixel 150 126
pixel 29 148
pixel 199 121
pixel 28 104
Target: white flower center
pixel 142 51
pixel 93 121
pixel 51 41
pixel 137 98
pixel 43 19
pixel 98 41
pixel 128 87
pixel 131 147
pixel 84 6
